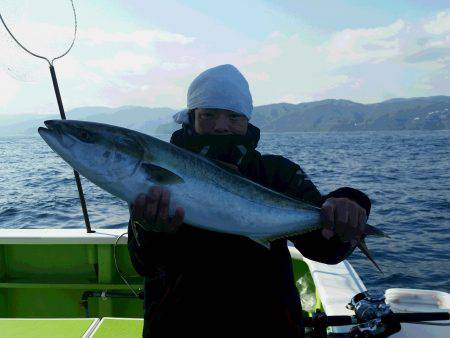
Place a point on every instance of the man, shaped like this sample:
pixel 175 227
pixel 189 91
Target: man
pixel 204 283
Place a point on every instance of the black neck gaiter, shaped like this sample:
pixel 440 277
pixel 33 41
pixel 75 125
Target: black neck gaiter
pixel 227 148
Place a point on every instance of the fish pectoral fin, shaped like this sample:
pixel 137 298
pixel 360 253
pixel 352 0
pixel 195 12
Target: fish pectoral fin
pixel 261 241
pixel 160 175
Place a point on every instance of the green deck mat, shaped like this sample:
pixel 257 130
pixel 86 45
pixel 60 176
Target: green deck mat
pixel 119 328
pixel 39 328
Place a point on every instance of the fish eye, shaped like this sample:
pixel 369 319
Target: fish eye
pixel 85 136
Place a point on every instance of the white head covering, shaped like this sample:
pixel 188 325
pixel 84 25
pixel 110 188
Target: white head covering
pixel 222 87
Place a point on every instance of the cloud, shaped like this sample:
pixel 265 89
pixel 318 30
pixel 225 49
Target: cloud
pixel 174 66
pixel 257 76
pixel 154 88
pixel 8 88
pixel 155 67
pixel 429 54
pixel 286 68
pixel 440 24
pixel 142 38
pixel 365 45
pixel 124 62
pixel 402 59
pixel 267 53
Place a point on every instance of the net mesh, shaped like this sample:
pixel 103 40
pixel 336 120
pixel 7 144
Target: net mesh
pixel 44 28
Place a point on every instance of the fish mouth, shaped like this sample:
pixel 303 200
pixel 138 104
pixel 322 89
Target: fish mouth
pixel 49 133
pixel 54 125
pixel 53 134
pixel 46 134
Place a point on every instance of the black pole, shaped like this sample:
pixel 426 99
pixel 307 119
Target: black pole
pixel 77 176
pixel 421 316
pixel 413 317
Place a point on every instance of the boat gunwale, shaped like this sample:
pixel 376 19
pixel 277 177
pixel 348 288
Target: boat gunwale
pixel 62 236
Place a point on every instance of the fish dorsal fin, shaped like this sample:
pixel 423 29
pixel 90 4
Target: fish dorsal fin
pixel 160 175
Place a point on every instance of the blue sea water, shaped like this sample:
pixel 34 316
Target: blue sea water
pixel 405 173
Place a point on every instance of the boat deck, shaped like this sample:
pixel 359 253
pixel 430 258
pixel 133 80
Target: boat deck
pixel 64 283
pixel 65 280
pixel 71 327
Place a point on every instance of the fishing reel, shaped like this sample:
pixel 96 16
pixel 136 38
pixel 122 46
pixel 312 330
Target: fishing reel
pixel 372 318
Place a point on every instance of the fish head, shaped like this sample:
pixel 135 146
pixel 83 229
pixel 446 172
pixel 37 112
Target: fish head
pixel 101 153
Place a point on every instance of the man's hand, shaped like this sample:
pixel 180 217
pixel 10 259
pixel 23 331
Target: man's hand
pixel 343 217
pixel 151 211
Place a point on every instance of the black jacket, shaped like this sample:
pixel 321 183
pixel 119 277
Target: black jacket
pixel 205 283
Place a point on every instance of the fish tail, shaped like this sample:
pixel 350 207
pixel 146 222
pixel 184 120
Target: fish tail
pixel 365 250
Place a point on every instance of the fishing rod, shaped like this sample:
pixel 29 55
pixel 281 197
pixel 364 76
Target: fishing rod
pixel 373 318
pixel 59 100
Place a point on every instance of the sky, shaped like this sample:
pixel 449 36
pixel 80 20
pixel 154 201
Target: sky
pixel 132 52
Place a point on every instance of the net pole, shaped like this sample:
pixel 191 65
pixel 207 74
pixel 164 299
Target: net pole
pixel 77 176
pixel 59 100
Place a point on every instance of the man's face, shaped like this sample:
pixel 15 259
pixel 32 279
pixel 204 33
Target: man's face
pixel 219 122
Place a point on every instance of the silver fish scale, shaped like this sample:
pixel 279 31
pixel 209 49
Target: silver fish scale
pixel 218 200
pixel 212 197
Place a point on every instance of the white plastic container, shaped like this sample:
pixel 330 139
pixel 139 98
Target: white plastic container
pixel 415 300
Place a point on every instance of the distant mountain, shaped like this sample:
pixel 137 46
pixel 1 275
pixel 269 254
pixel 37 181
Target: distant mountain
pixel 426 113
pixel 143 119
pixel 343 115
